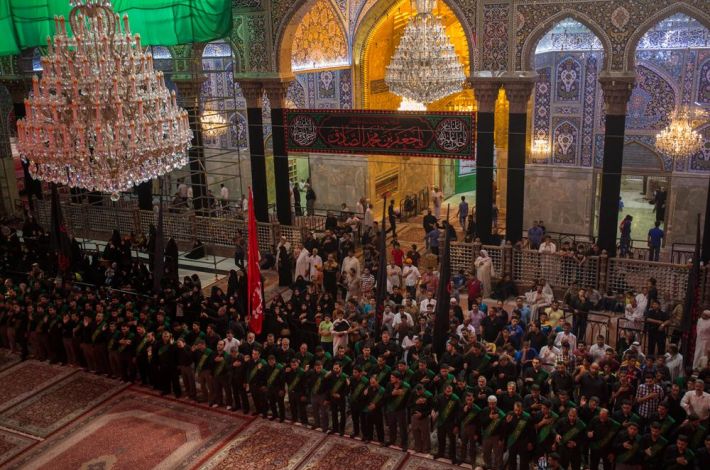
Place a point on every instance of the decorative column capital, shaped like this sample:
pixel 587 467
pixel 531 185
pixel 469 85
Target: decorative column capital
pixel 277 89
pixel 617 88
pixel 518 91
pixel 253 91
pixel 486 90
pixel 189 90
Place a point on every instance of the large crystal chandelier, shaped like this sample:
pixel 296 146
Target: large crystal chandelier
pixel 213 123
pixel 101 118
pixel 425 67
pixel 679 139
pixel 540 149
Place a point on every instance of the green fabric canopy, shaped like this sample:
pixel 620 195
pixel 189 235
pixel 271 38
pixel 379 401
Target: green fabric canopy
pixel 27 23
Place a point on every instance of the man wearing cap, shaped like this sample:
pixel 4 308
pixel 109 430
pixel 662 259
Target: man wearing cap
pixel 396 399
pixel 491 420
pixel 653 445
pixel 446 418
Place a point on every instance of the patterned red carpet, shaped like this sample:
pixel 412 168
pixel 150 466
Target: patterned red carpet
pixel 336 450
pixel 59 404
pixel 92 422
pixel 26 379
pixel 266 445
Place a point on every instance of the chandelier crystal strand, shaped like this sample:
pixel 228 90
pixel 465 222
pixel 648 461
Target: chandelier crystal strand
pixel 101 118
pixel 679 139
pixel 425 67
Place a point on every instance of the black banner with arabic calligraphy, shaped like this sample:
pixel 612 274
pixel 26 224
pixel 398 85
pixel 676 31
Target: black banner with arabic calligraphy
pixel 438 135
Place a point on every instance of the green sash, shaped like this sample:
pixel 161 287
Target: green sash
pixel 544 432
pixel 444 415
pixel 222 364
pixel 471 415
pixel 377 398
pixel 515 435
pixel 53 322
pixel 112 341
pixel 484 362
pixel 603 441
pixel 357 391
pixel 656 448
pixel 142 344
pixel 254 370
pixel 666 424
pixel 317 384
pixel 541 376
pixel 201 363
pixel 629 453
pixel 383 374
pixel 493 425
pixel 296 380
pixel 97 331
pixel 572 433
pixel 697 440
pixel 394 404
pixel 338 384
pixel 274 374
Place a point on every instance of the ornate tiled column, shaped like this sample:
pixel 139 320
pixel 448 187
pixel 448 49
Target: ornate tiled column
pixel 617 91
pixel 486 92
pixel 276 91
pixel 518 91
pixel 188 97
pixel 253 91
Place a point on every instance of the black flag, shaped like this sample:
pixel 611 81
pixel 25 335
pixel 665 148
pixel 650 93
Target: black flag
pixel 690 307
pixel 381 274
pixel 441 318
pixel 58 237
pixel 159 250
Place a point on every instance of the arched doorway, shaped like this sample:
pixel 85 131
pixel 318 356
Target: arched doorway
pixel 375 43
pixel 672 60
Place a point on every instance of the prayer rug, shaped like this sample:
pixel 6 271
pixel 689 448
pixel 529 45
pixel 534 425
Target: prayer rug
pixel 26 379
pixel 266 445
pixel 12 444
pixel 134 431
pixel 336 450
pixel 57 405
pixel 414 462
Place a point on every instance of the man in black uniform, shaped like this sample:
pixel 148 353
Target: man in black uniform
pixel 165 358
pixel 222 377
pixel 446 411
pixel 295 378
pixel 336 386
pixel 357 386
pixel 397 395
pixel 275 382
pixel 520 437
pixel 601 431
pixel 570 433
pixel 256 382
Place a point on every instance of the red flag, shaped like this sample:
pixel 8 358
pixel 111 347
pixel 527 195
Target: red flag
pixel 256 301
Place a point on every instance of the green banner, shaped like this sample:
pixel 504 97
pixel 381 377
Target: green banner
pixel 409 134
pixel 27 23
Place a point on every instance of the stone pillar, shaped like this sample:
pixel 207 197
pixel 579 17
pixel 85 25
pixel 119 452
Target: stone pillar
pixel 276 91
pixel 486 92
pixel 188 97
pixel 518 91
pixel 253 91
pixel 617 91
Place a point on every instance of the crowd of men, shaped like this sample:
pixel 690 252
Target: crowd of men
pixel 512 389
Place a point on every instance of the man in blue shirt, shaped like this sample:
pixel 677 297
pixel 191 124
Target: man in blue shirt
pixel 535 234
pixel 433 240
pixel 655 237
pixel 463 213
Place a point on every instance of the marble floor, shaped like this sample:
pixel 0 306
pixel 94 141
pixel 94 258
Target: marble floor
pixel 637 206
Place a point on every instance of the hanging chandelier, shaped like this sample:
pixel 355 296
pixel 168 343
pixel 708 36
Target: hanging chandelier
pixel 679 139
pixel 213 123
pixel 425 67
pixel 540 149
pixel 101 118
